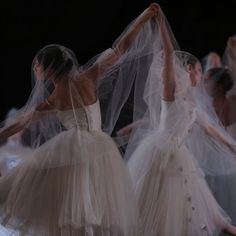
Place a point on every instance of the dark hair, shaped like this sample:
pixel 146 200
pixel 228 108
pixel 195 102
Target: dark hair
pixel 222 77
pixel 192 60
pixel 53 57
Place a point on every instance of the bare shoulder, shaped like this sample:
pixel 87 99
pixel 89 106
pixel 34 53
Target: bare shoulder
pixel 85 85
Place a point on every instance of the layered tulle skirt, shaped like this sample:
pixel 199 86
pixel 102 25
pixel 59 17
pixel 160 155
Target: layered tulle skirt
pixel 173 197
pixel 74 184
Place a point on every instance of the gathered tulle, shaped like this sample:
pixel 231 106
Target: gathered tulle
pixel 89 196
pixel 172 195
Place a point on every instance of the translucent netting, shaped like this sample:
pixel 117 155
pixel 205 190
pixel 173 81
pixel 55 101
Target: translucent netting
pixel 196 123
pixel 110 75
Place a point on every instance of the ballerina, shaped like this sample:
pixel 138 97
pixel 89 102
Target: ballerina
pixel 173 196
pixel 75 182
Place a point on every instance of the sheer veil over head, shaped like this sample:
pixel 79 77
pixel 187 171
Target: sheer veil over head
pixel 191 117
pixel 56 65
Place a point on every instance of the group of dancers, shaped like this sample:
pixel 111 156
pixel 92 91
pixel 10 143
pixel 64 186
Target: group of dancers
pixel 180 149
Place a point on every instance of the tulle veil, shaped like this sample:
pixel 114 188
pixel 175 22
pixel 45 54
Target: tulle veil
pixel 76 174
pixel 214 153
pixel 147 109
pixel 112 86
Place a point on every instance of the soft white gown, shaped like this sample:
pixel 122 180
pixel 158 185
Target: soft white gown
pixel 74 184
pixel 173 196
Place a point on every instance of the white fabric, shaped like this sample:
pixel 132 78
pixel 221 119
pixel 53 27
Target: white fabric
pixel 92 197
pixel 89 117
pixel 173 197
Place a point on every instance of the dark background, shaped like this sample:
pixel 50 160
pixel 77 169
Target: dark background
pixel 89 27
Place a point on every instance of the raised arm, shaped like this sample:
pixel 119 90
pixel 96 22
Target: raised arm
pixel 168 50
pixel 110 57
pixel 15 127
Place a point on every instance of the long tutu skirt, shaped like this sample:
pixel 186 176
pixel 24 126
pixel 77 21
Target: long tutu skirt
pixel 70 187
pixel 173 197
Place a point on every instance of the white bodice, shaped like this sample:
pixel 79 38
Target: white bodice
pixel 165 119
pixel 84 118
pixel 177 118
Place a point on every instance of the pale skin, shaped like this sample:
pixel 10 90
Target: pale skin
pixel 169 89
pixel 86 86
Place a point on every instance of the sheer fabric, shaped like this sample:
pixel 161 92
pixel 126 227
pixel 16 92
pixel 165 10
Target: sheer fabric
pixel 174 145
pixel 75 182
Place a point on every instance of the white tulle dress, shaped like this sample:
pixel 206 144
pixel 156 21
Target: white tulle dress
pixel 173 197
pixel 92 197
